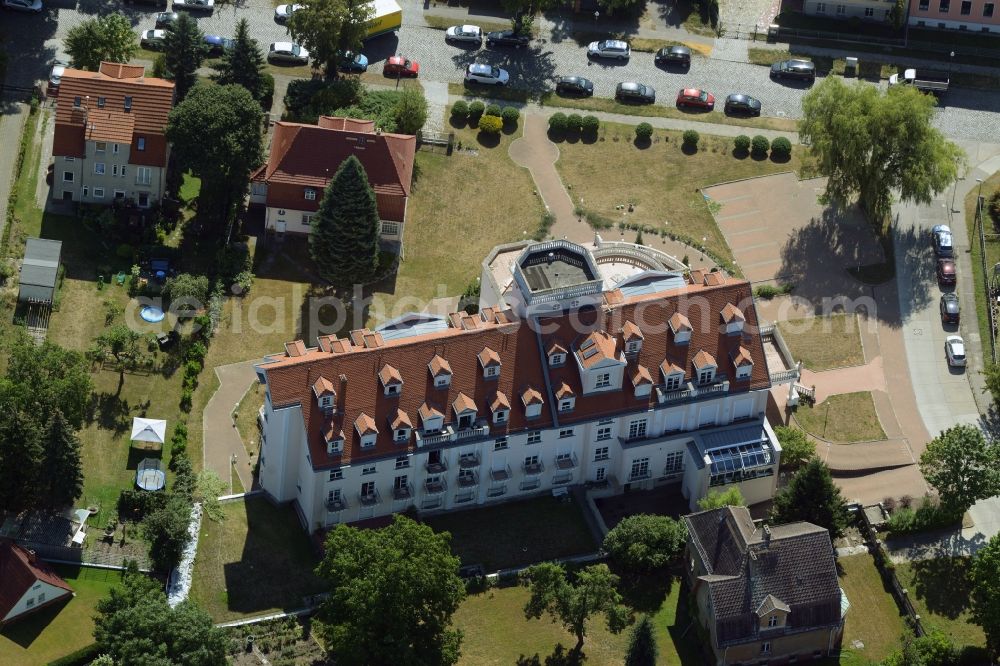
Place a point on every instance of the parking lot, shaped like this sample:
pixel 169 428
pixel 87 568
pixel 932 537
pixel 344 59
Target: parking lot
pixel 34 41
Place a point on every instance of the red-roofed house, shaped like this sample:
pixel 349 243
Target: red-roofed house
pixel 109 142
pixel 304 158
pixel 26 583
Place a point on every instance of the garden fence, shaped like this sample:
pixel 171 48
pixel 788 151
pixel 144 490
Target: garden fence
pixel 888 572
pixel 988 283
pixel 84 558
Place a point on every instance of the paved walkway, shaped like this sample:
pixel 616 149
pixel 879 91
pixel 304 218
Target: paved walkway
pixel 222 447
pixel 11 125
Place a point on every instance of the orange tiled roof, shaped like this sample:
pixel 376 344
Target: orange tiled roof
pixel 389 375
pixel 703 360
pixel 596 347
pixel 742 357
pixel 631 332
pixel 439 366
pixel 400 420
pixel 499 401
pixel 668 368
pixel 679 322
pixel 531 397
pixel 731 313
pixel 640 375
pixel 488 357
pixel 323 387
pixel 463 403
pixel 564 391
pixel 365 424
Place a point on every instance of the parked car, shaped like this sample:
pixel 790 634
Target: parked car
pixel 507 38
pixel 284 12
pixel 152 39
pixel 287 53
pixel 673 55
pixel 954 349
pixel 943 240
pixel 165 19
pixel 217 45
pixel 742 104
pixel 950 309
pixel 352 62
pixel 574 85
pixel 489 75
pixel 464 33
pixel 34 6
pixel 614 49
pixel 400 66
pixel 794 69
pixel 946 271
pixel 695 97
pixel 630 91
pixel 55 76
pixel 195 5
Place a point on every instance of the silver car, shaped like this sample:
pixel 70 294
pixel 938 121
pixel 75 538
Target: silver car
pixel 954 349
pixel 284 12
pixel 287 52
pixel 479 72
pixel 614 49
pixel 195 5
pixel 34 6
pixel 464 33
pixel 152 39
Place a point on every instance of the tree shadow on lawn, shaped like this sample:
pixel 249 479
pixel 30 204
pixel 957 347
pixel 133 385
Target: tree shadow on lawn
pixel 560 657
pixel 111 412
pixel 944 584
pixel 645 593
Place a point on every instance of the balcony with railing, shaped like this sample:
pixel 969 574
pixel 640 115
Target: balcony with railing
pixel 435 487
pixel 403 492
pixel 479 430
pixel 437 467
pixel 562 479
pixel 338 504
pixel 468 480
pixel 371 499
pixel 497 491
pixel 469 461
pixel 501 474
pixel 639 476
pixel 533 469
pixel 531 484
pixel 692 391
pixel 564 462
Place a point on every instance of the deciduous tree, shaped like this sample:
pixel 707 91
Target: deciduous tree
pixel 963 466
pixel 42 378
pixel 643 543
pixel 410 111
pixel 931 649
pixel 61 478
pixel 642 649
pixel 392 594
pixel 811 496
pixel 345 229
pixel 121 346
pixel 986 593
pixel 243 64
pixel 189 290
pixel 326 27
pixel 872 144
pixel 103 38
pixel 216 134
pixel 184 50
pixel 166 530
pixel 796 448
pixel 716 499
pixel 593 591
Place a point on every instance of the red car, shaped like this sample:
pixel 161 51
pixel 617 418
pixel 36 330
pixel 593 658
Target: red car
pixel 695 97
pixel 400 66
pixel 946 271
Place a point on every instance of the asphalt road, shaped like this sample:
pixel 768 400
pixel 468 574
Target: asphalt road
pixel 34 41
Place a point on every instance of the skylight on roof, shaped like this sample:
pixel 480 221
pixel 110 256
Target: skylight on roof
pixel 590 352
pixel 587 344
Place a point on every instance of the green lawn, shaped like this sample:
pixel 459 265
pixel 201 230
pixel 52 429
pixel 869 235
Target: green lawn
pixel 940 589
pixel 517 533
pixel 246 417
pixel 496 632
pixel 256 560
pixel 660 179
pixel 873 618
pixel 60 629
pixel 845 418
pixel 990 185
pixel 824 343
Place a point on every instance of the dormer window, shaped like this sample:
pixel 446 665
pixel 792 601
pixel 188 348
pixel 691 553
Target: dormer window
pixel 501 408
pixel 392 381
pixel 334 442
pixel 557 354
pixel 557 359
pixel 431 419
pixel 673 376
pixel 632 337
pixel 367 430
pixel 642 381
pixel 566 397
pixel 310 194
pixel 704 367
pixel 326 397
pixel 440 371
pixel 402 436
pixel 732 318
pixel 465 411
pixel 100 102
pixel 490 361
pixel 128 102
pixel 680 326
pixel 140 143
pixel 326 402
pixel 743 363
pixel 400 425
pixel 533 402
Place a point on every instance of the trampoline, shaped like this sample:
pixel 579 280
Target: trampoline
pixel 149 476
pixel 151 314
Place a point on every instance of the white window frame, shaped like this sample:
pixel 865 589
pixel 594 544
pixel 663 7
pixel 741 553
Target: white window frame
pixel 566 405
pixel 71 176
pixel 602 453
pixel 114 148
pixel 706 375
pixel 637 429
pixel 565 433
pixel 335 446
pixel 402 462
pixel 98 192
pixel 310 194
pixel 604 433
pixel 535 437
pixel 869 12
pixel 114 170
pixel 307 219
pixel 491 371
pixel 674 463
pixel 99 168
pixel 336 475
pixel 639 469
pixel 602 380
pixel 140 143
pixel 557 359
pixel 389 228
pixel 101 146
pixel 368 470
pixel 402 435
pixel 674 381
pixel 500 416
pixel 143 175
pixel 501 444
pixel 772 621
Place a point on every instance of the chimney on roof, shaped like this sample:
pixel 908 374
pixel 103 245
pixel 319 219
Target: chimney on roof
pixel 32 557
pixel 343 380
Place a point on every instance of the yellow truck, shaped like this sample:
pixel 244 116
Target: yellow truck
pixel 388 17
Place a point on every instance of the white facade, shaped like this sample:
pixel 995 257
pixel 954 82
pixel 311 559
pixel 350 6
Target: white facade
pixel 286 220
pixel 866 10
pixel 39 594
pixel 636 451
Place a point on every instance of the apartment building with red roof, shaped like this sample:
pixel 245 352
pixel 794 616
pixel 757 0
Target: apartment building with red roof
pixel 26 583
pixel 581 367
pixel 109 142
pixel 303 158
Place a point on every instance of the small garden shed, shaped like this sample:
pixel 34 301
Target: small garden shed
pixel 40 270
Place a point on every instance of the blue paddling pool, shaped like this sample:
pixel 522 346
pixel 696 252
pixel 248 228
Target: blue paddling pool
pixel 151 314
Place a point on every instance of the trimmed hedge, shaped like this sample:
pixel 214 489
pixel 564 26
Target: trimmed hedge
pixel 490 124
pixel 574 122
pixel 690 138
pixel 759 145
pixel 510 115
pixel 781 148
pixel 643 131
pixel 557 122
pixel 591 124
pixel 460 109
pixel 742 143
pixel 476 109
pixel 493 110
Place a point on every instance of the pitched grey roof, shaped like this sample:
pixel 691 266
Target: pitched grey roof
pixel 792 563
pixel 41 262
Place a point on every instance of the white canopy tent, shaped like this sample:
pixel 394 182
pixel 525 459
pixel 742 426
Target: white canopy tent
pixel 149 430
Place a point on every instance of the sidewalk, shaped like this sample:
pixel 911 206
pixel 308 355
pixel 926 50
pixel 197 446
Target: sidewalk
pixel 222 447
pixel 11 126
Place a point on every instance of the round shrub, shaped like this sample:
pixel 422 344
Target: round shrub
pixel 742 143
pixel 460 109
pixel 476 109
pixel 591 124
pixel 492 110
pixel 759 145
pixel 574 122
pixel 643 131
pixel 510 114
pixel 781 148
pixel 557 122
pixel 490 124
pixel 690 138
